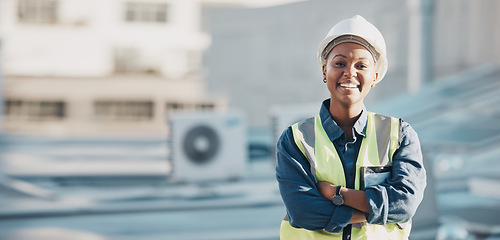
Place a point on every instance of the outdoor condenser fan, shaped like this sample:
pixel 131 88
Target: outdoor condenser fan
pixel 207 146
pixel 201 144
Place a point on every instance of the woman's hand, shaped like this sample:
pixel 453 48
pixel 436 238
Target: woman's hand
pixel 352 198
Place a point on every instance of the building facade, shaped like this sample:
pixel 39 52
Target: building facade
pixel 89 67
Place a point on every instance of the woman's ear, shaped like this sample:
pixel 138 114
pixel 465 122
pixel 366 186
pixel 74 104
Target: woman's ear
pixel 375 79
pixel 324 71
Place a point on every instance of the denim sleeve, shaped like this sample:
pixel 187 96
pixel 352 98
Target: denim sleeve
pixel 397 199
pixel 306 208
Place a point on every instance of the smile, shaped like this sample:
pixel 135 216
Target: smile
pixel 348 85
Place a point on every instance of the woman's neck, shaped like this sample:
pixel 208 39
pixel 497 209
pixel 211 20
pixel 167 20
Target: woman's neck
pixel 346 117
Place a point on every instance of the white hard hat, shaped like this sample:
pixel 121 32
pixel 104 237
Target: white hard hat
pixel 360 31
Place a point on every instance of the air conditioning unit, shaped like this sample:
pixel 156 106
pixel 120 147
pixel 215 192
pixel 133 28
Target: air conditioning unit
pixel 207 146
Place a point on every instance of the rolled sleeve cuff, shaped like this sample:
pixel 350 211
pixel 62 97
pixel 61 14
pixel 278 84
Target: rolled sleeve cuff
pixel 340 219
pixel 378 206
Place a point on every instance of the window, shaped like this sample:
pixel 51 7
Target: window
pixel 205 106
pixel 174 106
pixel 35 110
pixel 190 106
pixel 146 12
pixel 130 60
pixel 37 11
pixel 124 110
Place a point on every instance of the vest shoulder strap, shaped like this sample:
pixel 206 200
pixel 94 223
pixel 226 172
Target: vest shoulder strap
pixel 304 130
pixel 388 129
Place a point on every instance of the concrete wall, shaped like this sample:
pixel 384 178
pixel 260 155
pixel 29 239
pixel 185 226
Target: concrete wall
pixel 266 56
pixel 465 35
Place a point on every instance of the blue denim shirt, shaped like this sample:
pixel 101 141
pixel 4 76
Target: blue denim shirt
pixel 394 200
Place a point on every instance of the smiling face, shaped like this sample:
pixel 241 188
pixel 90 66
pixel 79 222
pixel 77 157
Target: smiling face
pixel 350 73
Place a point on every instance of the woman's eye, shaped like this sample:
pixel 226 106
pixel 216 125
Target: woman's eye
pixel 339 64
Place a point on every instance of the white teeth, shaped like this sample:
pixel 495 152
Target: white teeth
pixel 348 85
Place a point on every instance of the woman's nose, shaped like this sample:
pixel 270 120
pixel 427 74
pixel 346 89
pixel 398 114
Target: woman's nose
pixel 350 72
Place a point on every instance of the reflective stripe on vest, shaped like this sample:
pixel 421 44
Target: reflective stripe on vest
pixel 382 139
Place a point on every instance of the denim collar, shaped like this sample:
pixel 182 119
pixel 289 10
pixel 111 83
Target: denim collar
pixel 333 130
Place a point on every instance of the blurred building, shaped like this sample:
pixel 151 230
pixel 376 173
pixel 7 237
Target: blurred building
pixel 87 67
pixel 267 56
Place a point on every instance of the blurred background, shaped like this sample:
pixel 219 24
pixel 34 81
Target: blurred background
pixel 157 119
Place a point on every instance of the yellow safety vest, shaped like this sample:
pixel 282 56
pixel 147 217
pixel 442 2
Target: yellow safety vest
pixel 377 148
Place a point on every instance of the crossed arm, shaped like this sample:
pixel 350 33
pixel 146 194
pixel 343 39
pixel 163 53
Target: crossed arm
pixel 308 202
pixel 352 198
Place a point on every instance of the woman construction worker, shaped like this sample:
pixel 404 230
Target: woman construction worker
pixel 348 173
